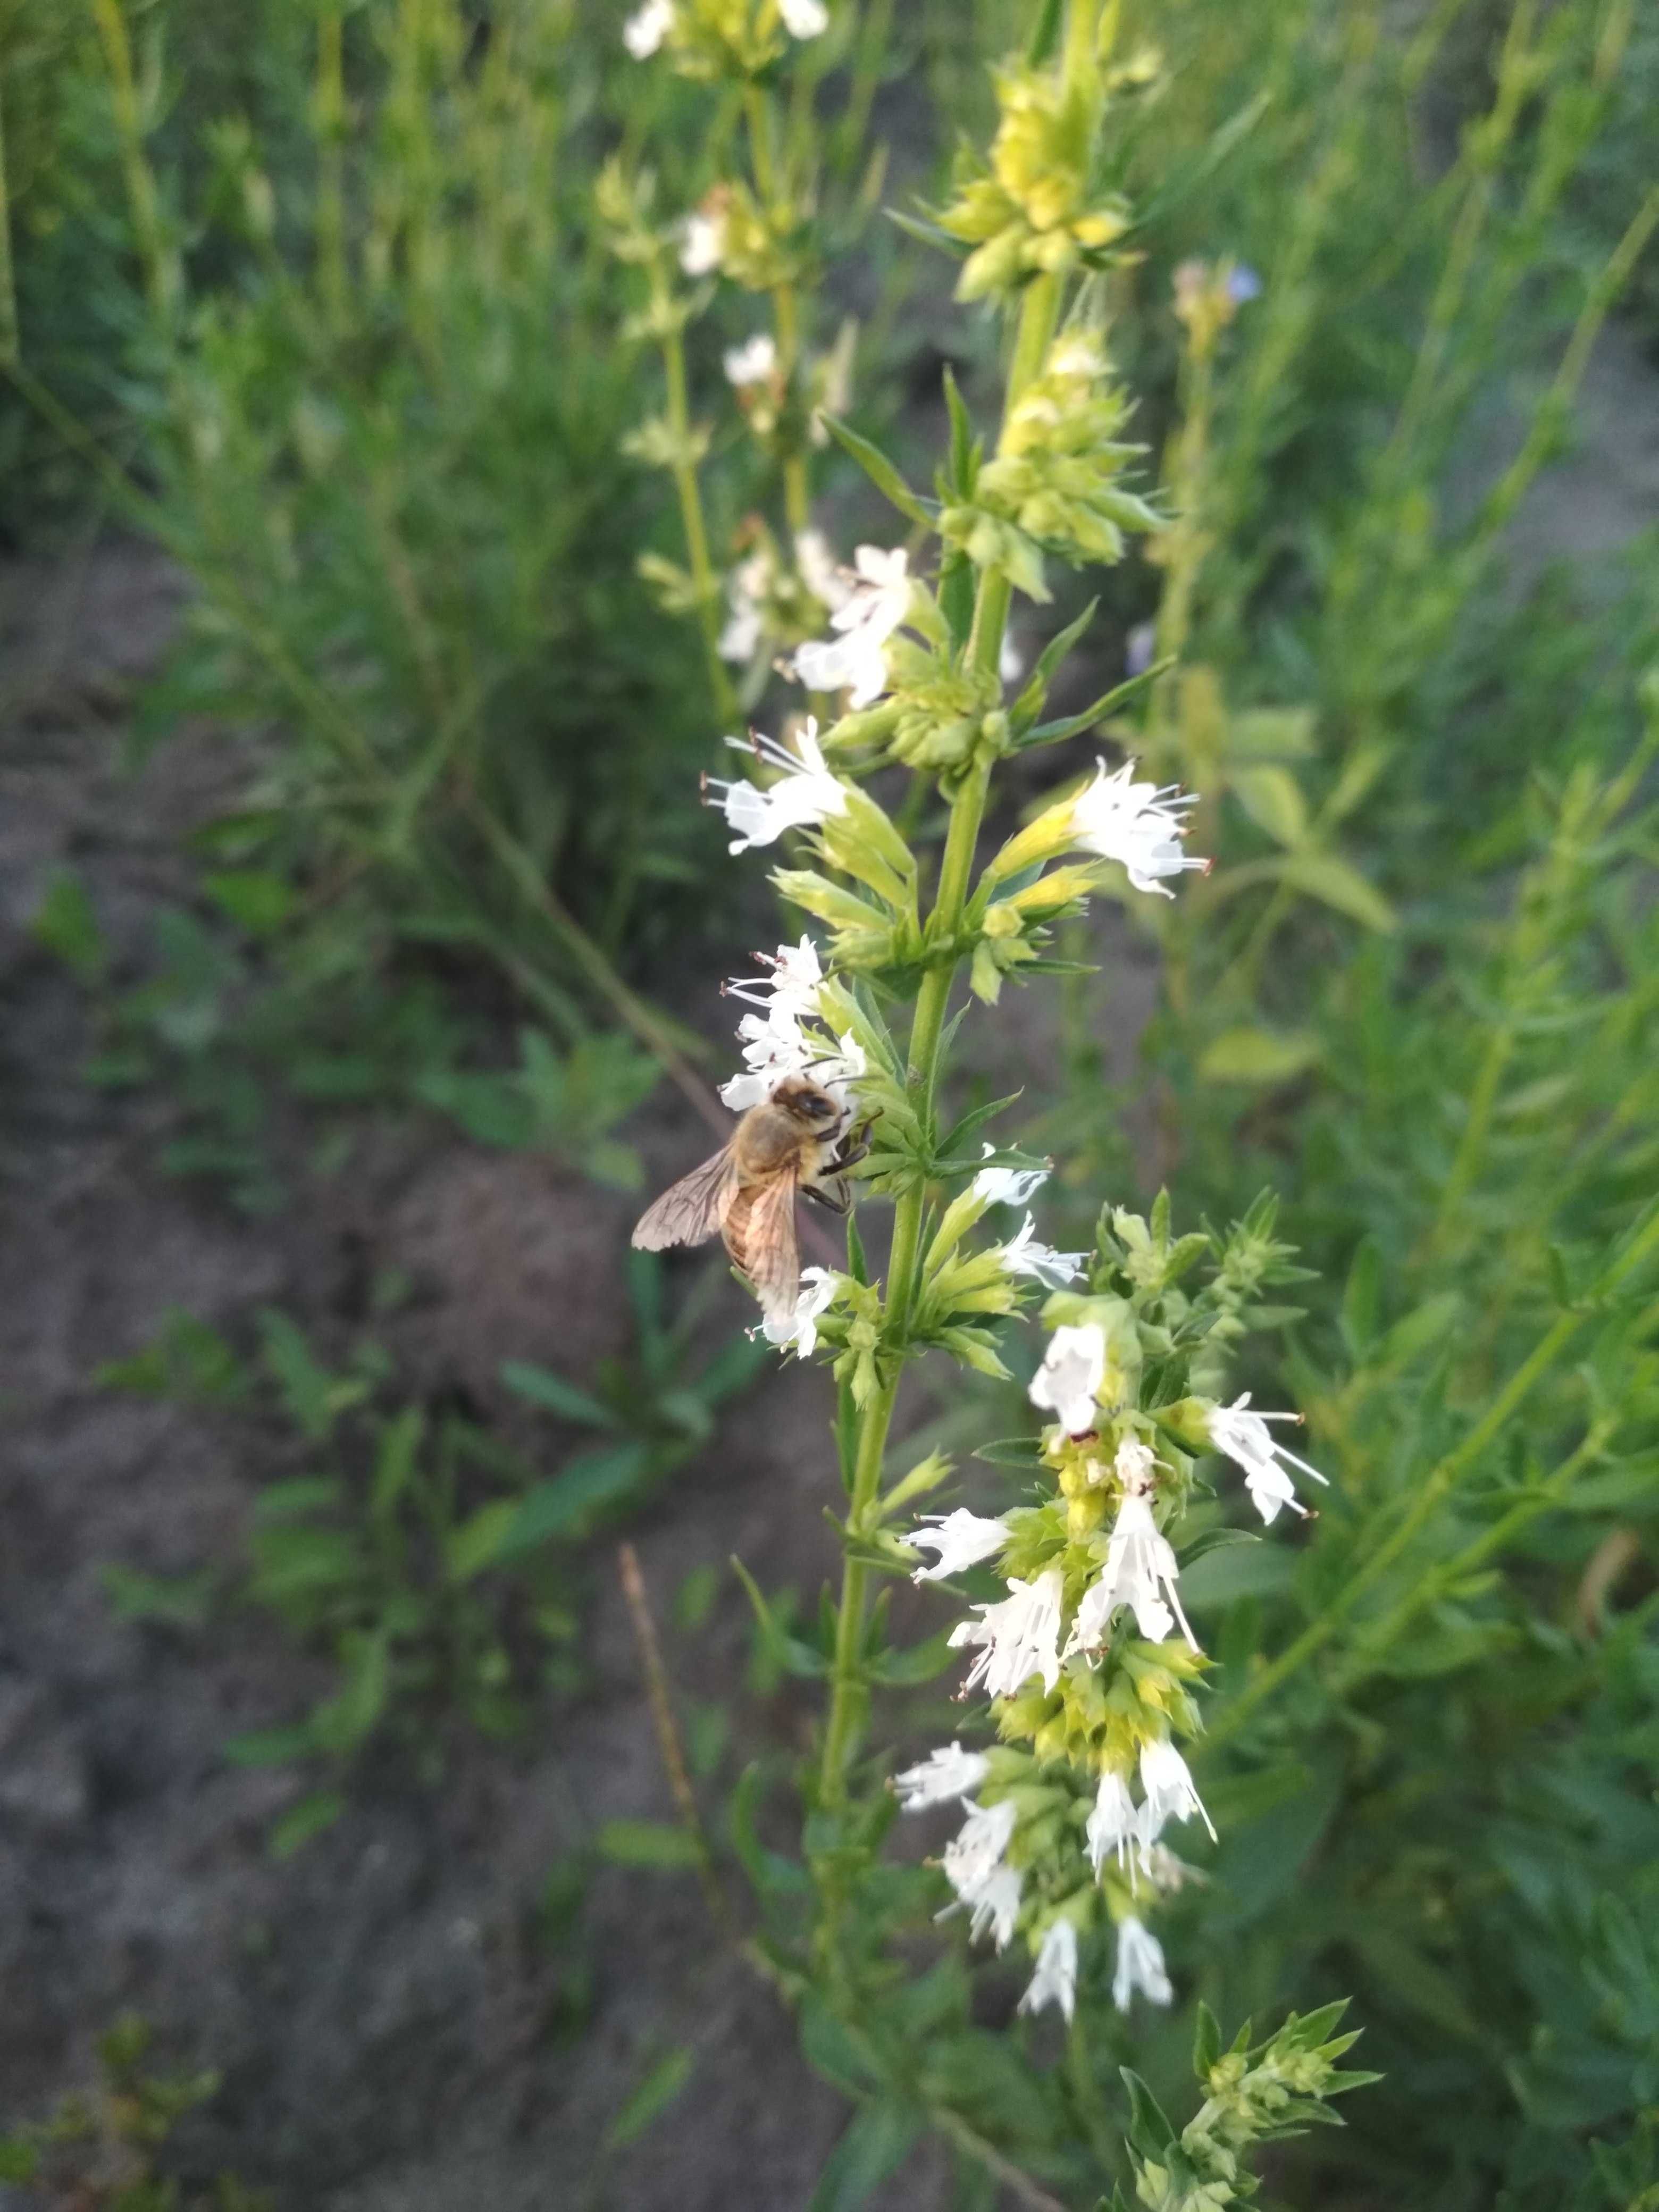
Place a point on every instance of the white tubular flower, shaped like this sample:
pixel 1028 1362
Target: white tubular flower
pixel 1011 661
pixel 1007 1186
pixel 646 29
pixel 804 19
pixel 839 1071
pixel 1139 1965
pixel 1054 1981
pixel 1020 1634
pixel 975 1868
pixel 755 361
pixel 792 987
pixel 804 793
pixel 800 1327
pixel 773 1047
pixel 855 661
pixel 1024 1256
pixel 961 1540
pixel 819 571
pixel 702 241
pixel 940 1777
pixel 1135 823
pixel 1171 1793
pixel 1139 1573
pixel 1113 1825
pixel 746 589
pixel 1073 1370
pixel 1249 1443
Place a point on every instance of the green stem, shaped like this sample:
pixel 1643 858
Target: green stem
pixel 1466 1164
pixel 160 267
pixel 692 522
pixel 786 307
pixel 849 1692
pixel 331 169
pixel 1441 1481
pixel 8 345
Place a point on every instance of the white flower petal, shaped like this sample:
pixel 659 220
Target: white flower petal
pixel 647 27
pixel 755 361
pixel 800 1327
pixel 960 1540
pixel 1246 1439
pixel 1072 1372
pixel 1054 1981
pixel 703 244
pixel 803 794
pixel 1007 1186
pixel 1139 1573
pixel 942 1775
pixel 1139 1965
pixel 1020 1636
pixel 1171 1791
pixel 1135 823
pixel 1024 1256
pixel 1114 1824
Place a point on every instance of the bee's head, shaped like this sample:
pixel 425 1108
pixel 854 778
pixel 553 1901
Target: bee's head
pixel 809 1103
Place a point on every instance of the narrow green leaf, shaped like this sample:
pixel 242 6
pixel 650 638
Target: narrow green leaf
pixel 1250 1055
pixel 477 1543
pixel 1322 875
pixel 879 469
pixel 876 2143
pixel 65 924
pixel 588 1487
pixel 1150 2130
pixel 658 2090
pixel 1272 798
pixel 1029 705
pixel 252 898
pixel 304 1821
pixel 542 1387
pixel 1051 733
pixel 1045 33
pixel 656 1844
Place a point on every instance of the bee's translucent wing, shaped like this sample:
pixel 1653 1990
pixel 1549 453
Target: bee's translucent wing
pixel 759 1234
pixel 689 1211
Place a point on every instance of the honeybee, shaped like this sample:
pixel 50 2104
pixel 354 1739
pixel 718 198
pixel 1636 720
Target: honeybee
pixel 798 1139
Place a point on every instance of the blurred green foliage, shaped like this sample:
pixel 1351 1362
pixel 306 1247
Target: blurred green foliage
pixel 99 2152
pixel 359 345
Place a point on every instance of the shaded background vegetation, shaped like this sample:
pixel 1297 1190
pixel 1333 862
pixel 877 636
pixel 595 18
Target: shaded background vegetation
pixel 345 350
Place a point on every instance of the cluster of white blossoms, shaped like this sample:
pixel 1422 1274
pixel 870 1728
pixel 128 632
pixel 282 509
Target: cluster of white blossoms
pixel 648 27
pixel 785 1034
pixel 754 584
pixel 1024 1639
pixel 874 603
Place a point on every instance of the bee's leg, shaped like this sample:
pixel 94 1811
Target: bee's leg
pixel 850 1149
pixel 833 1195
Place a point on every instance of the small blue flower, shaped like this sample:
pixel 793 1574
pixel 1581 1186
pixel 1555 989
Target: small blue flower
pixel 1244 284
